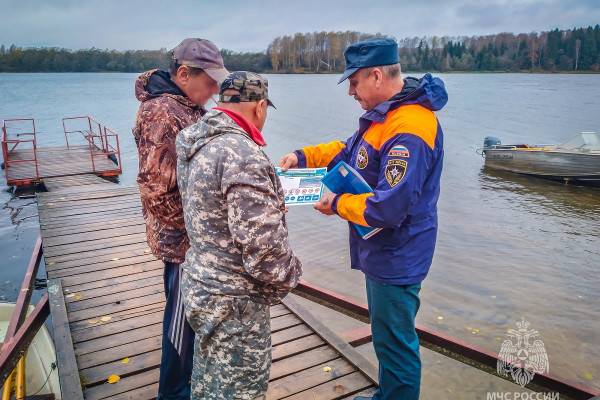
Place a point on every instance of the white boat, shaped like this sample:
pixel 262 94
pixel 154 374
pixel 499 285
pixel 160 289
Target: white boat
pixel 577 160
pixel 39 375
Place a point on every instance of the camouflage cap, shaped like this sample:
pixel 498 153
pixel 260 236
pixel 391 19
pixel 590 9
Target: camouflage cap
pixel 251 87
pixel 201 53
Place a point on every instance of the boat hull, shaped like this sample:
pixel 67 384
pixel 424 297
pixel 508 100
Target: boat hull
pixel 550 164
pixel 40 356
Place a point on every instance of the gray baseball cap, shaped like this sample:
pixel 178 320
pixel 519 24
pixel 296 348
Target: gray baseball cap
pixel 201 53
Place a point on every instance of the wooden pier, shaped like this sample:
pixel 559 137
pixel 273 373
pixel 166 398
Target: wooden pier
pixel 90 148
pixel 106 301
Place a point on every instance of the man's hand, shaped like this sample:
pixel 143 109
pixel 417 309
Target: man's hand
pixel 324 205
pixel 288 161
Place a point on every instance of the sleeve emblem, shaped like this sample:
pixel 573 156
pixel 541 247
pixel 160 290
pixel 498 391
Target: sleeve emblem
pixel 399 151
pixel 362 159
pixel 395 171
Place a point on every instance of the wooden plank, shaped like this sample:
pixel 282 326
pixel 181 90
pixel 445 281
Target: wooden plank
pixel 78 220
pixel 120 316
pixel 60 201
pixel 107 310
pixel 100 330
pixel 65 357
pixel 335 341
pixel 115 262
pixel 93 256
pixel 80 295
pixel 289 334
pixel 302 361
pixel 124 385
pixel 114 298
pixel 90 193
pixel 143 393
pixel 81 189
pixel 140 362
pixel 55 222
pixel 129 202
pixel 93 227
pixel 96 245
pixel 113 273
pixel 369 392
pixel 131 337
pixel 119 352
pixel 283 322
pixel 91 209
pixel 296 346
pixel 87 218
pixel 76 239
pixel 335 389
pixel 309 378
pixel 116 280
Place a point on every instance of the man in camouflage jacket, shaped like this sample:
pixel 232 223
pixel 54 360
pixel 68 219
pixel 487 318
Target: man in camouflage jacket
pixel 240 261
pixel 171 101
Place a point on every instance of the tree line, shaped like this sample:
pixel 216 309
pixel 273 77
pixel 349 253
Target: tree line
pixel 576 49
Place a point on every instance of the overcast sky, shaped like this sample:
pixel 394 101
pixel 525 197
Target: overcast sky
pixel 251 25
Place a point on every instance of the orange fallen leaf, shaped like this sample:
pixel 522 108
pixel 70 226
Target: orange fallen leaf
pixel 113 379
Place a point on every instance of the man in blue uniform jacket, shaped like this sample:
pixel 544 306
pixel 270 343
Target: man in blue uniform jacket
pixel 398 149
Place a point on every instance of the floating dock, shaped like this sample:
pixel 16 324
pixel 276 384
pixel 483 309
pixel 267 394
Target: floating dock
pixel 90 148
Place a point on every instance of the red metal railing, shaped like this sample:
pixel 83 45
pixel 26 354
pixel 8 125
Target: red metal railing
pixel 11 140
pixel 22 328
pixel 101 141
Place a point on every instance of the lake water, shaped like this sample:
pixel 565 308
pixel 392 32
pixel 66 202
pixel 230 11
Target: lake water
pixel 509 247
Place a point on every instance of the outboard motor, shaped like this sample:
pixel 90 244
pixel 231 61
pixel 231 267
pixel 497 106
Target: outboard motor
pixel 490 141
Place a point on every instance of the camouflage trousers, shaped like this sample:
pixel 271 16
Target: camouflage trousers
pixel 232 349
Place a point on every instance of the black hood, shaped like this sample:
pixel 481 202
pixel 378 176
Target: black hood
pixel 410 85
pixel 160 83
pixel 427 91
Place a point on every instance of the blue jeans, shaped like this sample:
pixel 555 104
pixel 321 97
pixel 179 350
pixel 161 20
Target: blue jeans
pixel 177 342
pixel 393 309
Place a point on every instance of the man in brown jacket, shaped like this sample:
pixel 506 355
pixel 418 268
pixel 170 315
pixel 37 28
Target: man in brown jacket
pixel 170 102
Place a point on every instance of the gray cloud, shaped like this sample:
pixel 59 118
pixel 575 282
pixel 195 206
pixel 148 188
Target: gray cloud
pixel 252 24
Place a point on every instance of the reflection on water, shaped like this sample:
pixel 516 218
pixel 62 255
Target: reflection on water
pixel 509 246
pixel 534 193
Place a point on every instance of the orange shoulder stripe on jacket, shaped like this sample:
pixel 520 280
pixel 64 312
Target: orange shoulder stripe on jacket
pixel 322 154
pixel 411 119
pixel 351 207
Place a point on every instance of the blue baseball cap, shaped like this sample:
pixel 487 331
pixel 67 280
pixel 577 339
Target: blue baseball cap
pixel 369 53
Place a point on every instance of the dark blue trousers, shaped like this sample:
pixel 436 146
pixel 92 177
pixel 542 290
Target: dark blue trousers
pixel 177 342
pixel 393 310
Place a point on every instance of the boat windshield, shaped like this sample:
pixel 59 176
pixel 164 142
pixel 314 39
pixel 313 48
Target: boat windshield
pixel 584 141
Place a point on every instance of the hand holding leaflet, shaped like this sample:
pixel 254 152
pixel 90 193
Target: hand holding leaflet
pixel 344 179
pixel 301 185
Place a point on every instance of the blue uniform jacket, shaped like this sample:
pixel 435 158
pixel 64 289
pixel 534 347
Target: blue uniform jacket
pixel 398 149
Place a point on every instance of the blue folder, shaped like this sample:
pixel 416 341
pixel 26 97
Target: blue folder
pixel 344 179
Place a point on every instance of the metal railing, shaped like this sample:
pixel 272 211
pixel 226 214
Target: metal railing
pixel 12 140
pixel 22 329
pixel 101 141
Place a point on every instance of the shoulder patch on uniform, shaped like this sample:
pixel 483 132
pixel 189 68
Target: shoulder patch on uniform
pixel 399 151
pixel 395 171
pixel 362 159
